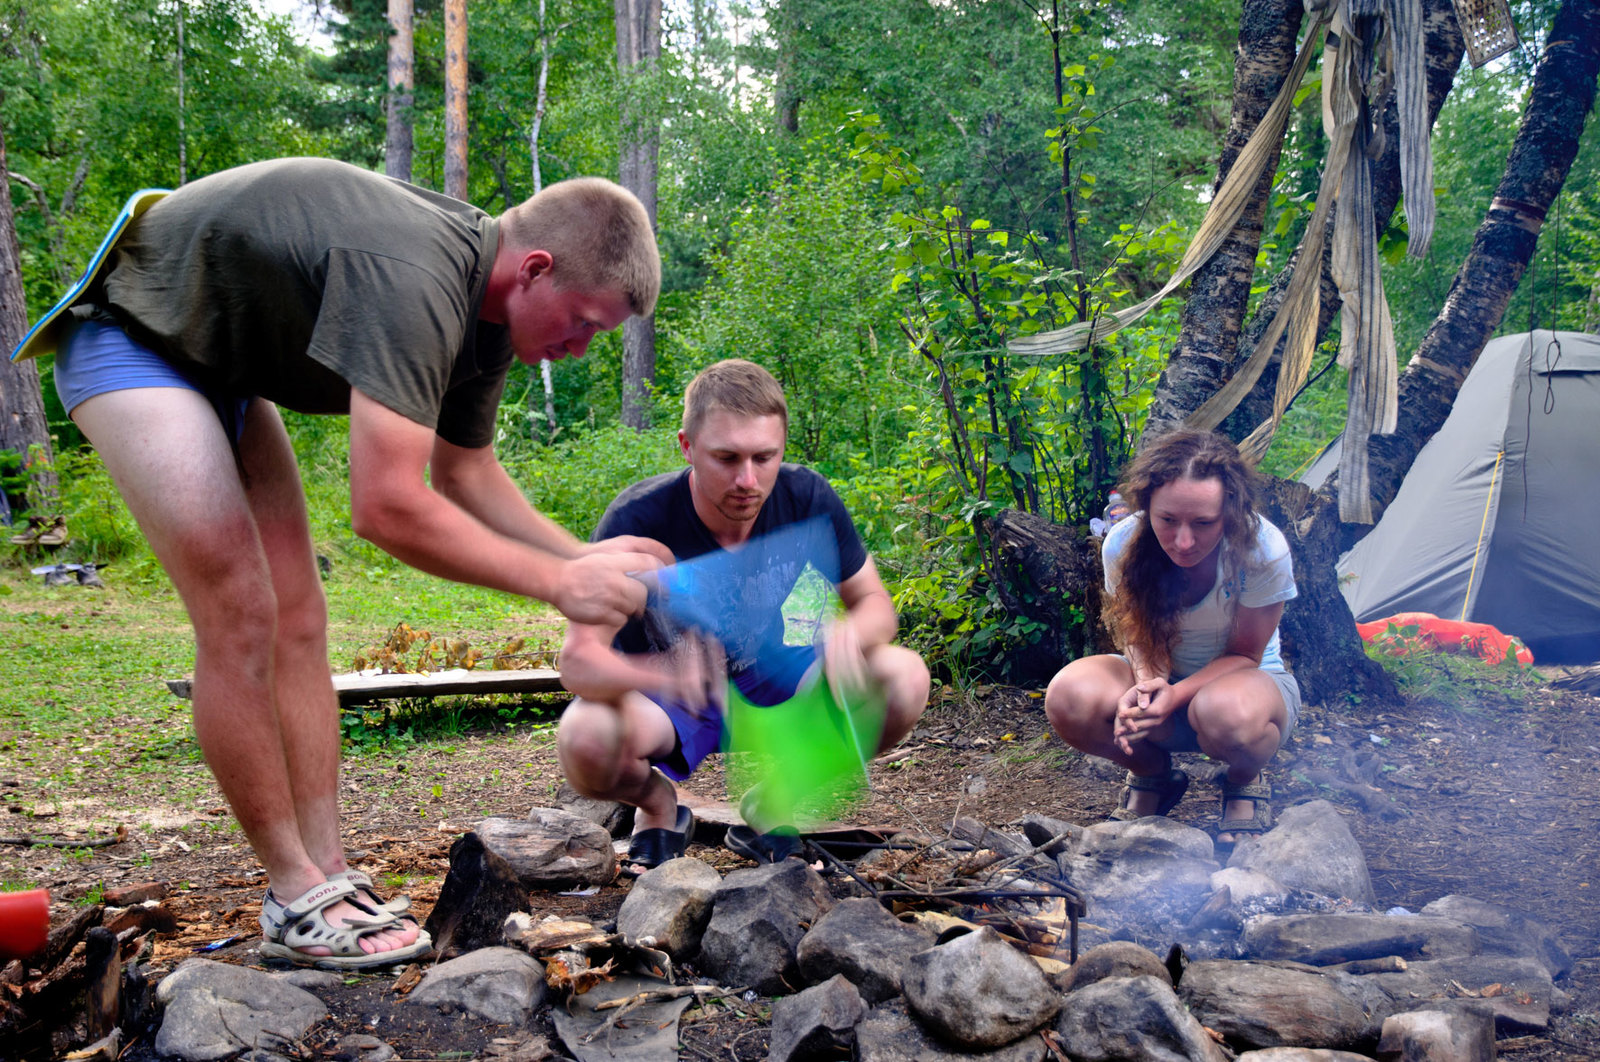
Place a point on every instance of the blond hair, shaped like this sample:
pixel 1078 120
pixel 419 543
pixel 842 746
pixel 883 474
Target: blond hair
pixel 597 233
pixel 738 386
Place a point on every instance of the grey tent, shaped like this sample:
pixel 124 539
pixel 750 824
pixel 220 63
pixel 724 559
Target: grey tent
pixel 1498 520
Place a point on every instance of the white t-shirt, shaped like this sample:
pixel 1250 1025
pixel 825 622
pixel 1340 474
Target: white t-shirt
pixel 1265 577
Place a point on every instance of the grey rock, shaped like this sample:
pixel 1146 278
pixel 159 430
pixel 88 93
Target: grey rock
pixel 1001 842
pixel 1257 1004
pixel 1311 848
pixel 671 903
pixel 1132 1019
pixel 613 816
pixel 1324 939
pixel 865 943
pixel 1250 888
pixel 758 918
pixel 214 1010
pixel 1520 1003
pixel 889 1034
pixel 500 985
pixel 310 980
pixel 821 1021
pixel 649 1033
pixel 1505 931
pixel 1301 1054
pixel 1041 829
pixel 1436 1036
pixel 364 1048
pixel 551 847
pixel 979 992
pixel 1149 871
pixel 1119 958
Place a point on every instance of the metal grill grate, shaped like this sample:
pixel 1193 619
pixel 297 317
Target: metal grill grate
pixel 1486 27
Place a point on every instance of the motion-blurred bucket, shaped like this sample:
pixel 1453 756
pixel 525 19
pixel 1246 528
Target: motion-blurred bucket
pixel 24 923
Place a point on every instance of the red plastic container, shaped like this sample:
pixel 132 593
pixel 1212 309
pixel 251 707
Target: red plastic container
pixel 24 923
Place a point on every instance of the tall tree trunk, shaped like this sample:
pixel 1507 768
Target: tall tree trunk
pixel 1220 290
pixel 539 105
pixel 1443 52
pixel 398 143
pixel 22 423
pixel 455 98
pixel 638 52
pixel 785 89
pixel 183 137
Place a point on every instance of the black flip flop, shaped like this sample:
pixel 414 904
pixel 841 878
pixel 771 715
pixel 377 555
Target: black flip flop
pixel 650 848
pixel 772 847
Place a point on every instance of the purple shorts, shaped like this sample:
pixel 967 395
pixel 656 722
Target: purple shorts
pixel 99 358
pixel 772 682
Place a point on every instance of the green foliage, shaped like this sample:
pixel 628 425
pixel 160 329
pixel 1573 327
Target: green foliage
pixel 573 481
pixel 804 291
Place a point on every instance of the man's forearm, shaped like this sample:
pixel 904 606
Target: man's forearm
pixel 486 491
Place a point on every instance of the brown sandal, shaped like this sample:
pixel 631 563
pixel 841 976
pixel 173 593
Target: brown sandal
pixel 1171 787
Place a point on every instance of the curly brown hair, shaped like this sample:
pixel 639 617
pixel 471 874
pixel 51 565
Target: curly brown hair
pixel 1144 610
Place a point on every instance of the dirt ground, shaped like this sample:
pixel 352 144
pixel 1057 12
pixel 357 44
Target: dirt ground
pixel 1498 798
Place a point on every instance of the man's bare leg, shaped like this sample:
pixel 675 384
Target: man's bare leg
pixel 605 752
pixel 903 677
pixel 168 454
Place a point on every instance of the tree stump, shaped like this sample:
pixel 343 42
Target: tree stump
pixel 1049 573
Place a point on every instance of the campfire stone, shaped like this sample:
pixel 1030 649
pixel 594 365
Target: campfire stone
pixel 672 903
pixel 1119 958
pixel 865 943
pixel 889 1034
pixel 819 1022
pixel 758 918
pixel 977 991
pixel 648 1032
pixel 1248 888
pixel 500 985
pixel 1504 931
pixel 1257 1004
pixel 1042 829
pixel 552 847
pixel 1132 1019
pixel 1518 991
pixel 613 816
pixel 478 893
pixel 1147 872
pixel 1301 1054
pixel 1325 939
pixel 1434 1036
pixel 363 1048
pixel 215 1010
pixel 1311 848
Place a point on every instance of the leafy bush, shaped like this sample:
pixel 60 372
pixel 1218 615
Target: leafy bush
pixel 573 481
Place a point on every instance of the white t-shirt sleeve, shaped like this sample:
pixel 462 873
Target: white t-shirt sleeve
pixel 1268 577
pixel 1115 544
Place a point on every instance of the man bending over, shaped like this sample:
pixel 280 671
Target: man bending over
pixel 323 288
pixel 644 718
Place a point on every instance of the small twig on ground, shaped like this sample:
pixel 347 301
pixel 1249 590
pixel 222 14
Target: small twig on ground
pixel 655 995
pixel 29 841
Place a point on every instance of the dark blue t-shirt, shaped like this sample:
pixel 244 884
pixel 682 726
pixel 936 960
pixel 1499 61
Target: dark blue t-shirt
pixel 802 522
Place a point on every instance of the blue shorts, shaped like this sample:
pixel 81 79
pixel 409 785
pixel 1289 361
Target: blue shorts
pixel 99 358
pixel 699 736
pixel 1184 739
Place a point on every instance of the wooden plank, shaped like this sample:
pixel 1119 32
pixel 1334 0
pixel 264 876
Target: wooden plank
pixel 360 687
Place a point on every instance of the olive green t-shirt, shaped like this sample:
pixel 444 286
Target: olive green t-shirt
pixel 298 279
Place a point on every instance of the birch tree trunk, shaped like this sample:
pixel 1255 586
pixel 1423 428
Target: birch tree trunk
pixel 638 50
pixel 1220 290
pixel 22 423
pixel 455 99
pixel 539 104
pixel 398 142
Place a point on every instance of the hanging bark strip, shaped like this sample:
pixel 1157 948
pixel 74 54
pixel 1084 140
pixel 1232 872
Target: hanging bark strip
pixel 1540 159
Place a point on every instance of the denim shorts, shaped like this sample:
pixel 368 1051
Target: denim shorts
pixel 779 675
pixel 98 358
pixel 1184 739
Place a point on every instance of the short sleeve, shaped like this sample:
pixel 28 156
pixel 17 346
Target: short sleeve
pixel 825 502
pixel 1115 546
pixel 1268 577
pixel 397 349
pixel 470 405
